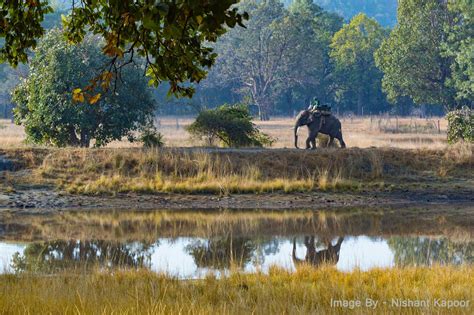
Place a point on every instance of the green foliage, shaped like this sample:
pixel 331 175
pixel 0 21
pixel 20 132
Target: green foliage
pixel 460 46
pixel 411 57
pixel 232 125
pixel 20 27
pixel 52 117
pixel 384 11
pixel 352 49
pixel 10 77
pixel 151 138
pixel 281 56
pixel 172 36
pixel 460 125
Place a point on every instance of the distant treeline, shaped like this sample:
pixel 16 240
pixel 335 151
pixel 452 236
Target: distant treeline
pixel 359 63
pixel 293 51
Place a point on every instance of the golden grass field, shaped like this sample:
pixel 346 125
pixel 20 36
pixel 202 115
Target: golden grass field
pixel 110 171
pixel 381 138
pixel 362 132
pixel 307 291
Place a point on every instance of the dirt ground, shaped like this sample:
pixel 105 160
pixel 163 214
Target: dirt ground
pixel 48 200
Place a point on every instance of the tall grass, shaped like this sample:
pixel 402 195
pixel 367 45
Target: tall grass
pixel 307 291
pixel 236 171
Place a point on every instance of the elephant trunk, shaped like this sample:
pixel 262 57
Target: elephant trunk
pixel 296 136
pixel 293 253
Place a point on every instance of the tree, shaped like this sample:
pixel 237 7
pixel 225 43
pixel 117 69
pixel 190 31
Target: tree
pixel 10 77
pixel 232 125
pixel 255 58
pixel 352 49
pixel 460 46
pixel 411 57
pixel 51 116
pixel 172 36
pixel 384 11
pixel 281 55
pixel 311 70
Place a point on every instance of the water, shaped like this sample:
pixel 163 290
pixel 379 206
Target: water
pixel 195 244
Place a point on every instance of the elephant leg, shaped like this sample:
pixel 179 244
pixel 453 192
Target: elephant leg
pixel 331 141
pixel 341 141
pixel 311 142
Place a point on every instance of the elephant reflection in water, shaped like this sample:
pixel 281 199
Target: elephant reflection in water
pixel 330 255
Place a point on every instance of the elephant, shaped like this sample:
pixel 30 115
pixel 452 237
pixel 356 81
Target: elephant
pixel 317 258
pixel 318 123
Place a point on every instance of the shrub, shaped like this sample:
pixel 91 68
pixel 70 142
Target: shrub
pixel 151 138
pixel 460 125
pixel 231 125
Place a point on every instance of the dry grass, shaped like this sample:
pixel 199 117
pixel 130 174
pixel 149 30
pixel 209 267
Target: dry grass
pixel 307 291
pixel 11 135
pixel 362 132
pixel 238 171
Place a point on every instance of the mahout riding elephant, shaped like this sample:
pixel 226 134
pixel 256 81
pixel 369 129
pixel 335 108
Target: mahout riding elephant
pixel 318 123
pixel 317 258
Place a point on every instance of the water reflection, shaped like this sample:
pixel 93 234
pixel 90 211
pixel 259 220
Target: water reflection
pixel 51 257
pixel 222 252
pixel 425 251
pixel 329 255
pixel 190 244
pixel 195 257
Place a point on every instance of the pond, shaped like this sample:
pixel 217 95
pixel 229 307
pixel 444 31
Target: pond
pixel 193 244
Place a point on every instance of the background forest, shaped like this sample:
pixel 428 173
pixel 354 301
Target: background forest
pixel 343 52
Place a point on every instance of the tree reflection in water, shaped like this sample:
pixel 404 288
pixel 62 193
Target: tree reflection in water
pixel 313 257
pixel 426 251
pixel 56 256
pixel 222 252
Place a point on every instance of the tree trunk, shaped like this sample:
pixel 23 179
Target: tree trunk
pixel 85 139
pixel 265 110
pixel 360 102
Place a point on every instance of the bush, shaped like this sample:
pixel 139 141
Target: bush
pixel 151 138
pixel 460 125
pixel 231 125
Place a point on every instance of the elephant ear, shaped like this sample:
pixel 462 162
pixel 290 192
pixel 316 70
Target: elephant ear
pixel 313 116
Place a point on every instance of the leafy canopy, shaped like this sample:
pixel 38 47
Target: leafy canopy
pixel 232 125
pixel 352 51
pixel 52 117
pixel 460 46
pixel 280 55
pixel 411 57
pixel 172 36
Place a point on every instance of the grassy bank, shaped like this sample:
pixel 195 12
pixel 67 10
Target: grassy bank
pixel 238 171
pixel 281 292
